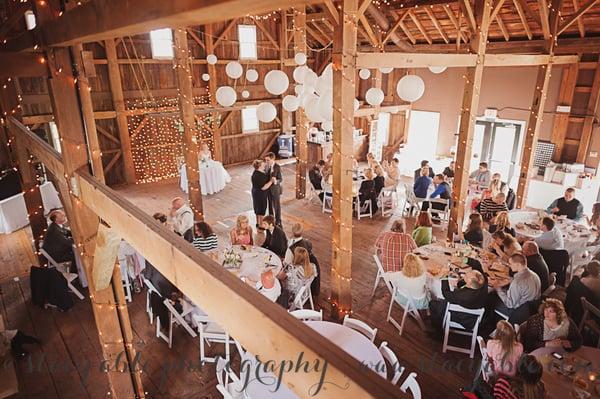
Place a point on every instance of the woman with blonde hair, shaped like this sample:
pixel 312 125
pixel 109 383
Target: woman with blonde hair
pixel 411 281
pixel 551 327
pixel 504 350
pixel 242 233
pixel 502 223
pixel 297 273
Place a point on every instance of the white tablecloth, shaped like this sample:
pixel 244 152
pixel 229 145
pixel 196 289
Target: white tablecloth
pixel 13 212
pixel 351 341
pixel 213 177
pixel 254 261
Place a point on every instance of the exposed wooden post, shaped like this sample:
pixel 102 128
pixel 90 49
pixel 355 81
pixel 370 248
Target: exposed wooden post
pixel 212 92
pixel 183 74
pixel 301 119
pixel 287 117
pixel 565 97
pixel 473 79
pixel 588 122
pixel 116 90
pixel 344 76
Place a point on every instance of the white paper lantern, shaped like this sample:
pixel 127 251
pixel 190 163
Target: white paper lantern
pixel 298 89
pixel 312 110
pixel 328 69
pixel 290 103
pixel 234 69
pixel 356 105
pixel 437 69
pixel 251 75
pixel 323 84
pixel 364 74
pixel 276 82
pixel 386 69
pixel 306 98
pixel 299 73
pixel 245 94
pixel 410 88
pixel 374 96
pixel 266 112
pixel 310 78
pixel 326 105
pixel 211 59
pixel 205 77
pixel 327 126
pixel 226 96
pixel 300 59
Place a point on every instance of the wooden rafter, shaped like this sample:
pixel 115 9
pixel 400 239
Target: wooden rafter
pixel 452 18
pixel 363 7
pixel 107 134
pixel 367 26
pixel 436 23
pixel 332 11
pixel 576 15
pixel 195 37
pixel 406 30
pixel 580 24
pixel 265 31
pixel 468 10
pixel 505 32
pixel 523 18
pixel 322 30
pixel 323 41
pixel 544 15
pixel 496 9
pixel 420 26
pixel 391 31
pixel 221 36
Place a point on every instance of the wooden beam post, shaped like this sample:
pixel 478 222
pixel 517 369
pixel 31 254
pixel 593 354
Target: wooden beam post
pixel 473 80
pixel 301 119
pixel 217 144
pixel 183 75
pixel 116 90
pixel 565 97
pixel 588 122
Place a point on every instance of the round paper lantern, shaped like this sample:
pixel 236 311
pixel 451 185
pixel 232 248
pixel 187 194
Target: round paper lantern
pixel 327 126
pixel 205 77
pixel 290 103
pixel 211 59
pixel 410 88
pixel 323 84
pixel 356 104
pixel 245 94
pixel 298 89
pixel 364 74
pixel 226 96
pixel 251 75
pixel 299 73
pixel 328 69
pixel 386 69
pixel 234 69
pixel 310 78
pixel 300 59
pixel 276 82
pixel 266 112
pixel 306 98
pixel 374 96
pixel 312 110
pixel 326 105
pixel 437 69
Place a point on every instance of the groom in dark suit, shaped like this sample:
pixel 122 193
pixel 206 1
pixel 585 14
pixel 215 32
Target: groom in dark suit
pixel 273 170
pixel 58 241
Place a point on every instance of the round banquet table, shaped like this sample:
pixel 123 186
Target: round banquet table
pixel 13 212
pixel 352 342
pixel 213 177
pixel 255 260
pixel 585 360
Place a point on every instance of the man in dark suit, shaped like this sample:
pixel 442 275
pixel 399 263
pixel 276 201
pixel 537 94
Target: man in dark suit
pixel 58 241
pixel 275 240
pixel 273 170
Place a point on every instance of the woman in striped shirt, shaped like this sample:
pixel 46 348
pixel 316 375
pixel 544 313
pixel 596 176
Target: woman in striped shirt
pixel 204 237
pixel 526 385
pixel 490 207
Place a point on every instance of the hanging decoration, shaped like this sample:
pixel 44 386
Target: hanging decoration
pixel 276 82
pixel 374 96
pixel 386 69
pixel 234 69
pixel 290 103
pixel 299 73
pixel 205 77
pixel 266 112
pixel 245 94
pixel 410 88
pixel 364 74
pixel 300 59
pixel 226 96
pixel 211 59
pixel 252 75
pixel 437 69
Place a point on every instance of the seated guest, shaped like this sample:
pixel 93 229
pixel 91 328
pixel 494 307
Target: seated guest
pixel 528 383
pixel 504 350
pixel 204 239
pixel 422 234
pixel 242 233
pixel 392 246
pixel 524 287
pixel 424 163
pixel 551 327
pixel 497 185
pixel 482 176
pixel 474 233
pixel 591 277
pixel 502 223
pixel 504 245
pixel 297 273
pixel 568 206
pixel 367 190
pixel 315 175
pixel 326 180
pixel 422 183
pixel 536 263
pixel 393 172
pixel 411 280
pixel 182 218
pixel 269 286
pixel 442 190
pixel 449 171
pixel 587 286
pixel 164 287
pixel 551 237
pixel 296 241
pixel 275 240
pixel 594 220
pixel 58 241
pixel 490 207
pixel 379 179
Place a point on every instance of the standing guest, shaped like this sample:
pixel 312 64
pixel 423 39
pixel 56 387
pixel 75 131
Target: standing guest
pixel 490 207
pixel 551 327
pixel 504 350
pixel 161 218
pixel 482 176
pixel 392 246
pixel 497 185
pixel 297 241
pixel 58 241
pixel 367 190
pixel 273 170
pixel 474 233
pixel 504 245
pixel 297 273
pixel 182 218
pixel 422 234
pixel 242 233
pixel 424 163
pixel 502 223
pixel 269 286
pixel 275 240
pixel 568 206
pixel 524 287
pixel 449 171
pixel 393 172
pixel 379 179
pixel 371 161
pixel 551 237
pixel 536 263
pixel 411 280
pixel 204 238
pixel 442 190
pixel 260 189
pixel 422 183
pixel 527 384
pixel 315 175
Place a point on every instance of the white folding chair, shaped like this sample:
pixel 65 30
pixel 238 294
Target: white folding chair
pixel 302 296
pixel 414 203
pixel 174 318
pixel 361 327
pixel 312 194
pixel 391 358
pixel 588 320
pixel 411 384
pixel 364 210
pixel 209 331
pixel 409 309
pixel 150 288
pixel 327 206
pixel 308 314
pixel 228 383
pixel 387 200
pixel 485 360
pixel 443 215
pixel 381 275
pixel 63 268
pixel 125 277
pixel 457 328
pixel 551 285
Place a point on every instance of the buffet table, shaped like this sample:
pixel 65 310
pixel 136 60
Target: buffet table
pixel 213 177
pixel 13 211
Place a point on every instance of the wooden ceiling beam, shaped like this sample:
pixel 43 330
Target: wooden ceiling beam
pixel 503 28
pixel 363 7
pixel 227 28
pixel 468 11
pixel 195 38
pixel 576 15
pixel 523 18
pixel 580 25
pixel 390 32
pixel 406 30
pixel 496 9
pixel 436 23
pixel 535 17
pixel 372 36
pixel 323 41
pixel 544 15
pixel 454 21
pixel 332 11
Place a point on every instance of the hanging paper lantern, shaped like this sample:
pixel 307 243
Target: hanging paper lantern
pixel 276 82
pixel 356 105
pixel 327 126
pixel 251 75
pixel 290 103
pixel 328 69
pixel 437 69
pixel 312 110
pixel 245 94
pixel 325 103
pixel 300 59
pixel 266 112
pixel 205 77
pixel 410 88
pixel 298 89
pixel 364 74
pixel 323 85
pixel 306 98
pixel 234 69
pixel 310 78
pixel 226 96
pixel 211 59
pixel 299 73
pixel 374 96
pixel 386 69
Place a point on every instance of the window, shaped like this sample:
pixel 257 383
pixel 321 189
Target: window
pixel 161 41
pixel 54 136
pixel 247 39
pixel 30 19
pixel 249 119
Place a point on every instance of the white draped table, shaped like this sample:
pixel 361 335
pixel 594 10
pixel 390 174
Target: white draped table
pixel 13 212
pixel 213 177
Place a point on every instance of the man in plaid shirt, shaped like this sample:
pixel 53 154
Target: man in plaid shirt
pixel 393 245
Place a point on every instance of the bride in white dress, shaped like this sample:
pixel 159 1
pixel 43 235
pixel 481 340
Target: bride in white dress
pixel 213 176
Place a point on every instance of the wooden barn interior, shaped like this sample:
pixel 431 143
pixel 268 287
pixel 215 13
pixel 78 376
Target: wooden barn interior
pixel 105 103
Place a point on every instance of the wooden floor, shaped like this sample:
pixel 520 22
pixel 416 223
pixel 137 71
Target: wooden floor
pixel 67 363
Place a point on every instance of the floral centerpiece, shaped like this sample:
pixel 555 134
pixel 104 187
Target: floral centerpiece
pixel 232 259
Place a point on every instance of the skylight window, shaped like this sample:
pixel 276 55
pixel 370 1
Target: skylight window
pixel 161 42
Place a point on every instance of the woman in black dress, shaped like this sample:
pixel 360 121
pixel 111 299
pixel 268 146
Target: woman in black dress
pixel 260 185
pixel 367 190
